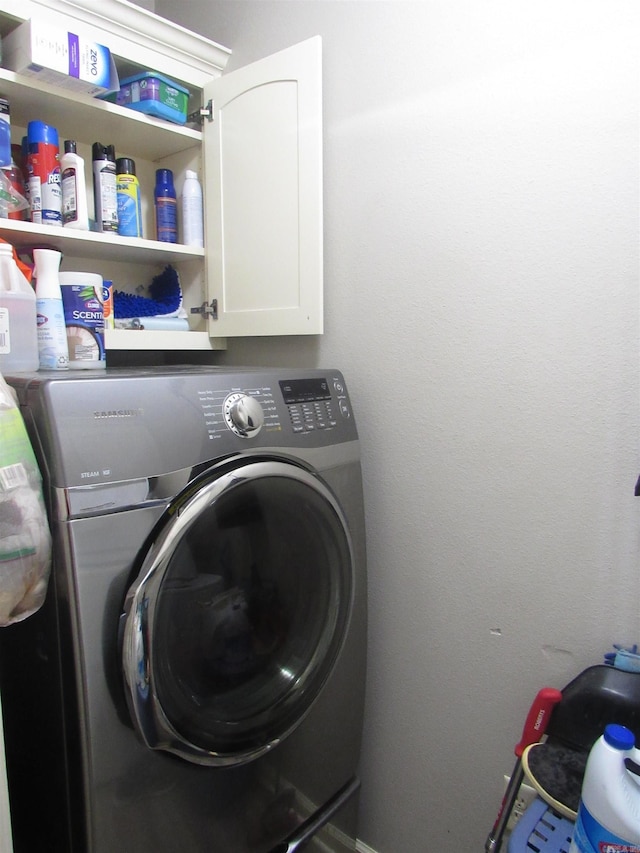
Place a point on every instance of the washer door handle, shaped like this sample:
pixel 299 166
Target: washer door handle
pixel 318 819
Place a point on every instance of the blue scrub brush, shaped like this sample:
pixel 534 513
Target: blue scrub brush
pixel 165 298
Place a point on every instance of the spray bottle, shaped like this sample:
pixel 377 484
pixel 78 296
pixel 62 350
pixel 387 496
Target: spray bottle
pixel 192 224
pixel 52 333
pixel 104 187
pixel 45 196
pixel 128 196
pixel 165 207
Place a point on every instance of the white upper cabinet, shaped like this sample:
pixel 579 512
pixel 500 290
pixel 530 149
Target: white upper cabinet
pixel 263 171
pixel 258 153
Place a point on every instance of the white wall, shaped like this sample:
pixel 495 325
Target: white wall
pixel 481 267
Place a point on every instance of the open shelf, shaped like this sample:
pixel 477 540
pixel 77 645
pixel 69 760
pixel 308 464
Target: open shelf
pixel 94 245
pixel 143 339
pixel 137 134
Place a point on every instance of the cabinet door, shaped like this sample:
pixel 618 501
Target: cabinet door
pixel 263 195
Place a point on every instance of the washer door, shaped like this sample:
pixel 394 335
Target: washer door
pixel 239 611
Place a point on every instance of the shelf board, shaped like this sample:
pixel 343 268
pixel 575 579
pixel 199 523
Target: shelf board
pixel 141 339
pixel 79 114
pixel 94 245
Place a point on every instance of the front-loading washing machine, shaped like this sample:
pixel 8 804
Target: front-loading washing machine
pixel 195 679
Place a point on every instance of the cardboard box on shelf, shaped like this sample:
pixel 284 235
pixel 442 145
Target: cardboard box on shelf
pixel 38 48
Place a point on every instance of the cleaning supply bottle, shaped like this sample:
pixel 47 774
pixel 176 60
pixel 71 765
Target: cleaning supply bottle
pixel 192 225
pixel 5 132
pixel 15 180
pixel 45 196
pixel 52 333
pixel 74 189
pixel 107 303
pixel 104 187
pixel 21 156
pixel 609 813
pixel 128 196
pixel 165 207
pixel 18 330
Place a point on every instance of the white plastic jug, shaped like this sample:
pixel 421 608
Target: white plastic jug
pixel 18 327
pixel 609 814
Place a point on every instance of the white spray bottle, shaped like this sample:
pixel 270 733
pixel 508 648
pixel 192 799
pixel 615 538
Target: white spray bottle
pixel 192 221
pixel 52 332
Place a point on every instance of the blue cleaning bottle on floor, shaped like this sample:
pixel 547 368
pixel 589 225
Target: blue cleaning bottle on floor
pixel 609 813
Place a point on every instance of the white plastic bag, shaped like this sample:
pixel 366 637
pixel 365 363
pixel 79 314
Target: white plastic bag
pixel 25 539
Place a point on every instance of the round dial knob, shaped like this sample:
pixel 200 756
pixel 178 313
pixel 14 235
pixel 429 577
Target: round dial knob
pixel 243 415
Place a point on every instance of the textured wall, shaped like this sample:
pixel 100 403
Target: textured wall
pixel 481 268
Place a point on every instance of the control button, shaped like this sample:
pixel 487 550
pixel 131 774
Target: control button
pixel 344 409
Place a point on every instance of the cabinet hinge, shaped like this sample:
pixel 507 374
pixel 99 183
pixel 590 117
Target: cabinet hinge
pixel 203 113
pixel 205 309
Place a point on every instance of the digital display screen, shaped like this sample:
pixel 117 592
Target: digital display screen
pixel 304 390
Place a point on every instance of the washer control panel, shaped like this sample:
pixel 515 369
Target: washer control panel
pixel 307 406
pixel 314 404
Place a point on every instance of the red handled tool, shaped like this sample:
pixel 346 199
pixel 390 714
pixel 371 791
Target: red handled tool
pixel 534 728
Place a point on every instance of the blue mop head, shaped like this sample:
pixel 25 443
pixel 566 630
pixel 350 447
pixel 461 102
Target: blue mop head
pixel 165 293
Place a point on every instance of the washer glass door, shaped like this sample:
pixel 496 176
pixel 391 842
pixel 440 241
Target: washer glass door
pixel 239 611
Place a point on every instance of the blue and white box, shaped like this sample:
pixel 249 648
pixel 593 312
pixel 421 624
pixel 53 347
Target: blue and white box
pixel 36 48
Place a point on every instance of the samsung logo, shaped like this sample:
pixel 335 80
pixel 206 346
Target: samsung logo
pixel 118 413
